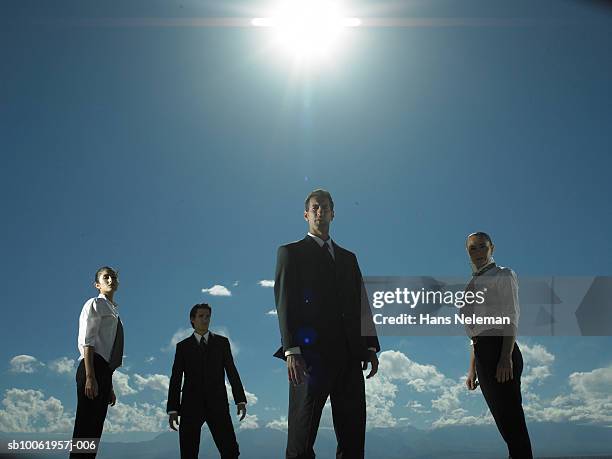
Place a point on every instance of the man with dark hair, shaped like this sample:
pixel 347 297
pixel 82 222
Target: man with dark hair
pixel 204 358
pixel 327 334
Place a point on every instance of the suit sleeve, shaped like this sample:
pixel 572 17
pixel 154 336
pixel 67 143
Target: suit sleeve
pixel 285 290
pixel 174 388
pixel 368 330
pixel 232 374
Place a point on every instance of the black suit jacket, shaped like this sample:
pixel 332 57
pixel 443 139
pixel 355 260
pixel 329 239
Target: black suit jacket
pixel 321 303
pixel 204 383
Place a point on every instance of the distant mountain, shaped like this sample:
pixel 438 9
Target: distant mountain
pixel 457 442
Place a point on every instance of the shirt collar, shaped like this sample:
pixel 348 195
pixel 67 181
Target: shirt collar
pixel 486 267
pixel 199 337
pixel 102 295
pixel 320 241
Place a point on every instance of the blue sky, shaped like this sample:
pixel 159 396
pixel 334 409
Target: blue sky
pixel 182 155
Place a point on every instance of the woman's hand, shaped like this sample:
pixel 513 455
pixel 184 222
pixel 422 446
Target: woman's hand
pixel 91 387
pixel 471 381
pixel 113 398
pixel 504 369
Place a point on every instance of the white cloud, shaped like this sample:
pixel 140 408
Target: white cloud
pixel 121 384
pixel 279 424
pixel 459 416
pixel 272 312
pixel 396 365
pixel 537 365
pixel 154 382
pixel 380 399
pixel 536 355
pixel 266 283
pixel 590 400
pixel 381 391
pixel 63 365
pixel 249 422
pixel 451 404
pixel 24 364
pixel 251 398
pixel 179 335
pixel 448 400
pixel 592 384
pixel 217 290
pixel 150 359
pixel 27 410
pixel 417 407
pixel 224 331
pixel 137 417
pixel 235 283
pixel 534 375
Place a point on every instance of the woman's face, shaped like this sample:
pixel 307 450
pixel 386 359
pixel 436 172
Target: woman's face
pixel 480 250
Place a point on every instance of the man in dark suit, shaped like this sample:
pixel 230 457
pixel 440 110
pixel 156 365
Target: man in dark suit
pixel 327 334
pixel 204 359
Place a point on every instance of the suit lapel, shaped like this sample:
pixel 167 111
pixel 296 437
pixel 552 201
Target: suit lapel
pixel 340 258
pixel 318 251
pixel 311 243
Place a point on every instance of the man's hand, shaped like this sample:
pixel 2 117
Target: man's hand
pixel 173 419
pixel 241 409
pixel 296 369
pixel 471 381
pixel 113 398
pixel 91 387
pixel 373 359
pixel 504 369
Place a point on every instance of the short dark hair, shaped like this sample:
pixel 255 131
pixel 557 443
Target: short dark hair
pixel 319 193
pixel 101 270
pixel 481 234
pixel 194 311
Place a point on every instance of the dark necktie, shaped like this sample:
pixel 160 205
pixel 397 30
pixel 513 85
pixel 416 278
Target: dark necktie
pixel 203 343
pixel 116 356
pixel 327 249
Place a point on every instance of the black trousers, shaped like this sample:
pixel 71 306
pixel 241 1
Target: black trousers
pixel 342 380
pixel 220 424
pixel 504 399
pixel 90 414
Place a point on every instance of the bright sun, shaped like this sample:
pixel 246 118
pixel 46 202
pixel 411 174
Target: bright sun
pixel 307 28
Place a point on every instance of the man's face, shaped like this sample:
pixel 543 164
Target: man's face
pixel 319 215
pixel 480 250
pixel 201 321
pixel 107 282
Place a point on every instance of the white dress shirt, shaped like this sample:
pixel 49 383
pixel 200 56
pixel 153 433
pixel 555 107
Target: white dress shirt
pixel 501 299
pixel 321 243
pixel 199 337
pixel 98 326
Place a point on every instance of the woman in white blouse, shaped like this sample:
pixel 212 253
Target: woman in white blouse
pixel 100 344
pixel 496 362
